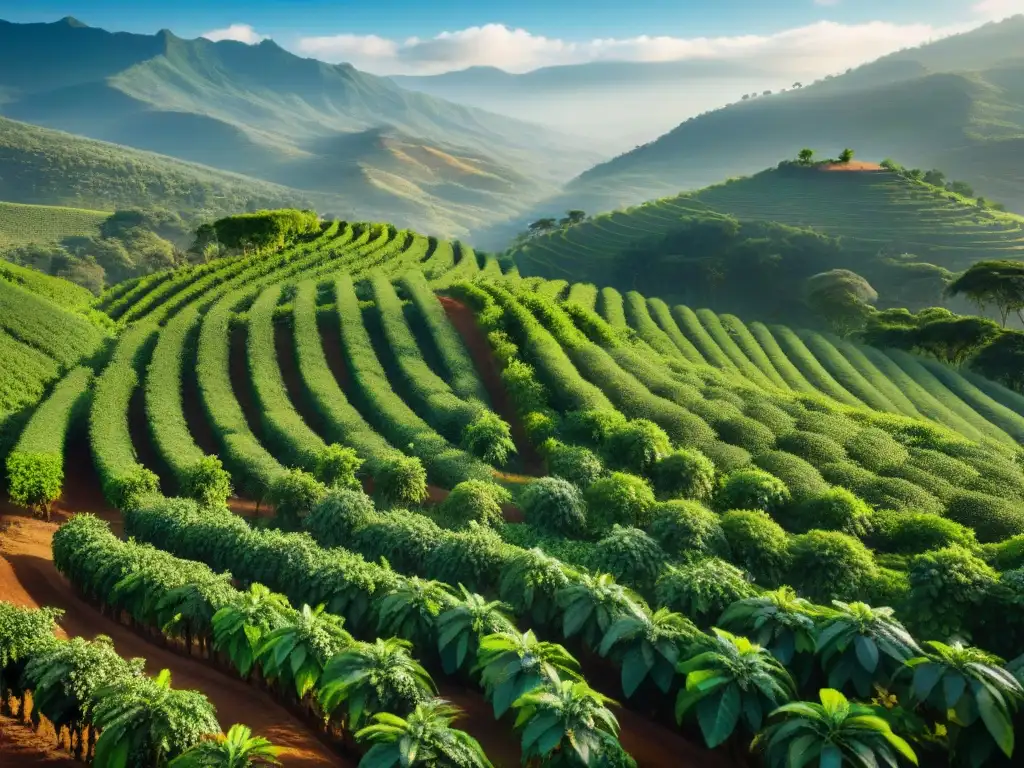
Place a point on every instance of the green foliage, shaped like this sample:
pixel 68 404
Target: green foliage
pixel 338 467
pixel 648 646
pixel 910 533
pixel 800 477
pixel 745 432
pixel 208 482
pixel 35 479
pixel 265 229
pixel 817 449
pixel 687 530
pixel 630 555
pixel 758 545
pixel 568 718
pixel 947 588
pixel 861 647
pixel 400 479
pixel 734 681
pixel 841 298
pixel 338 516
pixel 751 489
pixel 833 732
pixel 367 678
pixel 618 499
pixel 686 474
pixel 236 748
pixel 992 519
pixel 579 465
pixel 977 696
pixel 591 604
pixel 835 510
pixel 512 665
pixel 828 565
pixel 294 494
pixel 423 738
pixel 876 450
pixel 636 446
pixel 779 621
pixel 489 437
pixel 702 589
pixel 554 505
pixel 593 426
pixel 530 582
pixel 992 284
pixel 461 627
pixel 474 500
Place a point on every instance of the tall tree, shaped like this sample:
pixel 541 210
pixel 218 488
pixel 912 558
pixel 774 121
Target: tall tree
pixel 998 284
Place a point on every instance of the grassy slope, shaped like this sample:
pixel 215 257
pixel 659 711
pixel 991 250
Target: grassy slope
pixel 871 210
pixel 45 223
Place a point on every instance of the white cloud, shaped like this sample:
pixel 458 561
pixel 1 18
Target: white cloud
pixel 243 33
pixel 998 9
pixel 810 50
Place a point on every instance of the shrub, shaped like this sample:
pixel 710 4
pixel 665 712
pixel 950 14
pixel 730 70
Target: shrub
pixel 817 449
pixel 554 505
pixel 208 482
pixel 473 557
pixel 758 545
pixel 702 589
pixel 400 479
pixel 687 529
pixel 294 493
pixel 540 425
pixel 505 350
pixel 35 479
pixel 726 457
pixel 991 518
pixel 636 446
pixel 1007 555
pixel 474 501
pixel 828 565
pixel 946 587
pixel 684 473
pixel 876 450
pixel 631 556
pixel 129 490
pixel 938 487
pixel 337 467
pixel 618 499
pixel 908 533
pixel 579 465
pixel 800 477
pixel 592 427
pixel 489 437
pixel 405 540
pixel 830 424
pixel 338 516
pixel 771 415
pixel 523 387
pixel 751 489
pixel 834 510
pixel 745 432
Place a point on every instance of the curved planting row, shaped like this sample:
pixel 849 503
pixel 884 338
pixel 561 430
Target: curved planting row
pixel 84 686
pixel 385 409
pixel 461 632
pixel 35 468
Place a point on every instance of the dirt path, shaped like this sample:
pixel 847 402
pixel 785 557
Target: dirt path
pixel 853 165
pixel 465 323
pixel 22 747
pixel 28 577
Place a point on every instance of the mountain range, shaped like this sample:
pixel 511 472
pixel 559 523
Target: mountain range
pixel 264 112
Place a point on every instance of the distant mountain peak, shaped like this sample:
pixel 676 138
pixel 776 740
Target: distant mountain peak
pixel 71 21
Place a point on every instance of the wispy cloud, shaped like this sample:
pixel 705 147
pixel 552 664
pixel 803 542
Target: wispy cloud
pixel 814 49
pixel 243 33
pixel 998 9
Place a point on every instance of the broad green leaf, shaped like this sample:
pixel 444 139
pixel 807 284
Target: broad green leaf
pixel 996 722
pixel 718 715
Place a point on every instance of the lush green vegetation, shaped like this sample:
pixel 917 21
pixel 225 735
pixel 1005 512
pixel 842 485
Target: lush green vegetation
pixel 45 223
pixel 722 501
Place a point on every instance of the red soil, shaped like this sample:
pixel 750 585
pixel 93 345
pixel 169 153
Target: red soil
pixel 21 746
pixel 28 577
pixel 853 165
pixel 465 323
pixel 330 338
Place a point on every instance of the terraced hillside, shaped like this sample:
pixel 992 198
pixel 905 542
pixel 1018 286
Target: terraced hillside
pixel 45 223
pixel 696 465
pixel 872 211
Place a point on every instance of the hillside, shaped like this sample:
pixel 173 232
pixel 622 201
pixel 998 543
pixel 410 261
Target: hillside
pixel 957 104
pixel 46 167
pixel 45 223
pixel 905 236
pixel 263 112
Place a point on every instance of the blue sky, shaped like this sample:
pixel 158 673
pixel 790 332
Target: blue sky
pixel 374 33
